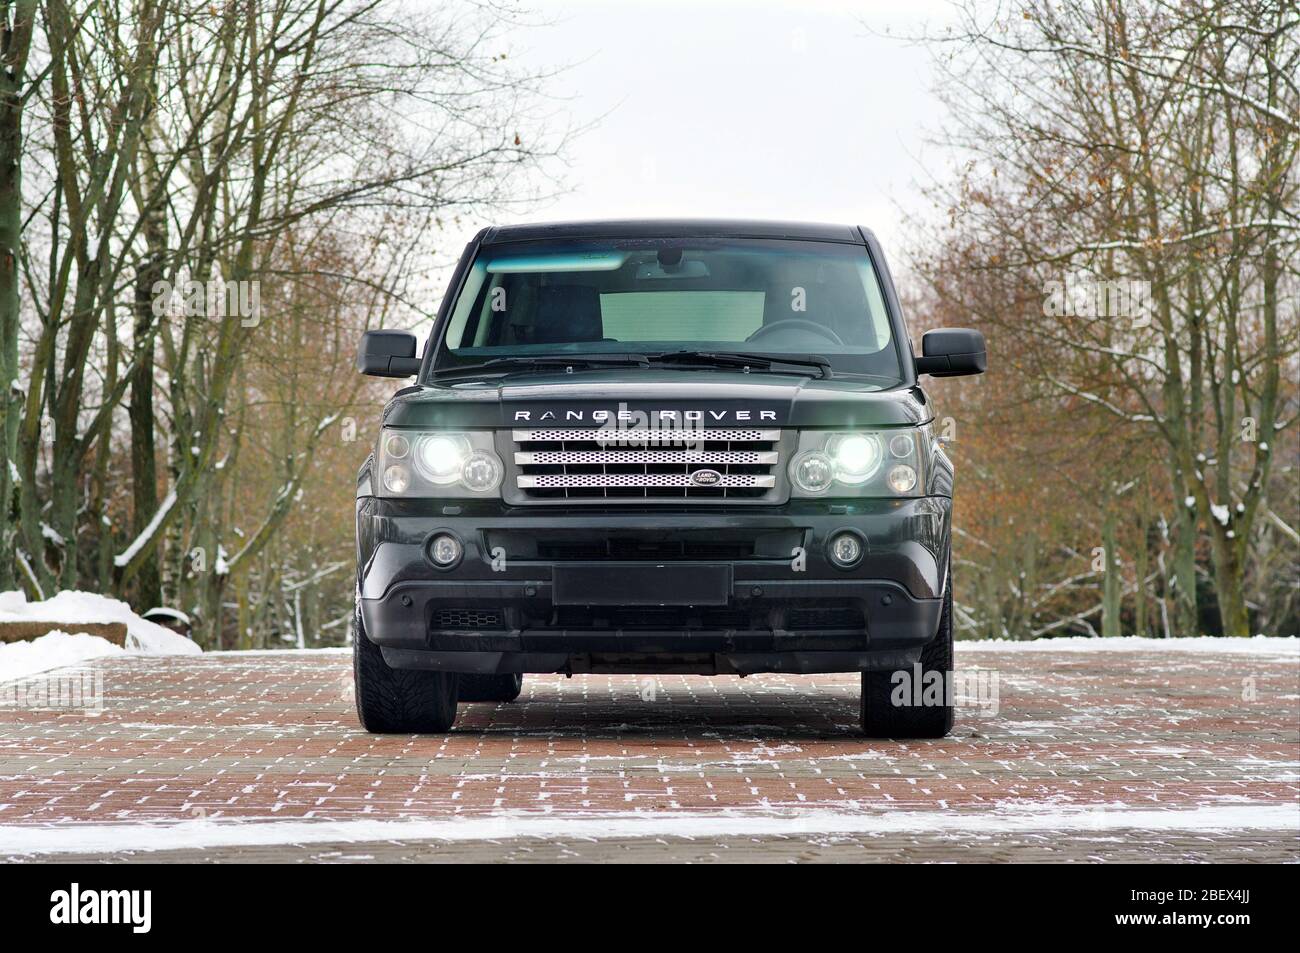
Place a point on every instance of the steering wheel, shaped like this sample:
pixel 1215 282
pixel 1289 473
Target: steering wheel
pixel 791 323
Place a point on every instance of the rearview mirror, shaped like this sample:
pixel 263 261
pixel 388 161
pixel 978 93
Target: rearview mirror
pixel 388 354
pixel 952 352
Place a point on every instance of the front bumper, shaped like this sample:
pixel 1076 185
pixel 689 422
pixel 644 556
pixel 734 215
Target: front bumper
pixel 780 604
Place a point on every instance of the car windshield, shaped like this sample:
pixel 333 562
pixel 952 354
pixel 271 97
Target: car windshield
pixel 790 299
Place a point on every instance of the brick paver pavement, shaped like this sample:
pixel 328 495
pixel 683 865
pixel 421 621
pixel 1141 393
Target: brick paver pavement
pixel 272 737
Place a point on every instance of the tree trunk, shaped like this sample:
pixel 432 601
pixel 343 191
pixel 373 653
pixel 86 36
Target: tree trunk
pixel 103 527
pixel 1230 586
pixel 1111 588
pixel 17 37
pixel 1142 562
pixel 1187 620
pixel 144 473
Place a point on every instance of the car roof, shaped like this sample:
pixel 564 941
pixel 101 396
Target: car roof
pixel 674 228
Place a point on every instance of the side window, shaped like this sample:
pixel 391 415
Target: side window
pixel 491 307
pixel 457 330
pixel 493 313
pixel 876 306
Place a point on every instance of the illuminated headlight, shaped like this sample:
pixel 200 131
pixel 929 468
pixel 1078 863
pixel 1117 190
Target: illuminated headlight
pixel 438 464
pixel 440 457
pixel 856 455
pixel 869 463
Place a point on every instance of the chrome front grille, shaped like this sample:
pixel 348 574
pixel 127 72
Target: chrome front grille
pixel 567 457
pixel 597 464
pixel 618 437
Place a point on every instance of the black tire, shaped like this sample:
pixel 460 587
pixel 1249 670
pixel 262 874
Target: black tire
pixel 491 688
pixel 881 718
pixel 399 701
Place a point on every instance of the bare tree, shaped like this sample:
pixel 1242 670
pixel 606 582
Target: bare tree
pixel 17 25
pixel 192 170
pixel 1147 147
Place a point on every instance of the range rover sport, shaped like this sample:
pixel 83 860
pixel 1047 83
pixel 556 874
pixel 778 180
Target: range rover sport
pixel 658 447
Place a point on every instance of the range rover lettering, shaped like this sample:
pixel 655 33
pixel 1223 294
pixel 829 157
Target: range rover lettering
pixel 658 447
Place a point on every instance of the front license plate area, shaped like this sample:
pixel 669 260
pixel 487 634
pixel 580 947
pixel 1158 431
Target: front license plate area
pixel 641 584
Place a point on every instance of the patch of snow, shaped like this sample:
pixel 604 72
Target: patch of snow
pixel 71 608
pixel 52 650
pixel 1190 502
pixel 1220 513
pixel 1255 645
pixel 165 612
pixel 205 833
pixel 254 653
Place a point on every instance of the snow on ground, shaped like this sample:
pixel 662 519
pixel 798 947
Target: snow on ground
pixel 175 615
pixel 67 646
pixel 254 653
pixel 201 833
pixel 1257 645
pixel 54 650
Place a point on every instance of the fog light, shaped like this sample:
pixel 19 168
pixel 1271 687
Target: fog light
pixel 902 478
pixel 845 549
pixel 397 479
pixel 445 550
pixel 812 471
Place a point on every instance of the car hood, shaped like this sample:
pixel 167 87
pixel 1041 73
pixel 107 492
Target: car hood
pixel 707 396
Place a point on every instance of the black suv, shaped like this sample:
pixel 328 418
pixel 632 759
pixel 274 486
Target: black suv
pixel 659 446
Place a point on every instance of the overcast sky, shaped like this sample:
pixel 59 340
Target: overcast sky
pixel 742 108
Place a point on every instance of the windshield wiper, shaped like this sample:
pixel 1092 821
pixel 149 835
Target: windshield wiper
pixel 751 361
pixel 549 360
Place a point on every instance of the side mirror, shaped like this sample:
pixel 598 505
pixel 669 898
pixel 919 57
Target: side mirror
pixel 952 352
pixel 387 354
